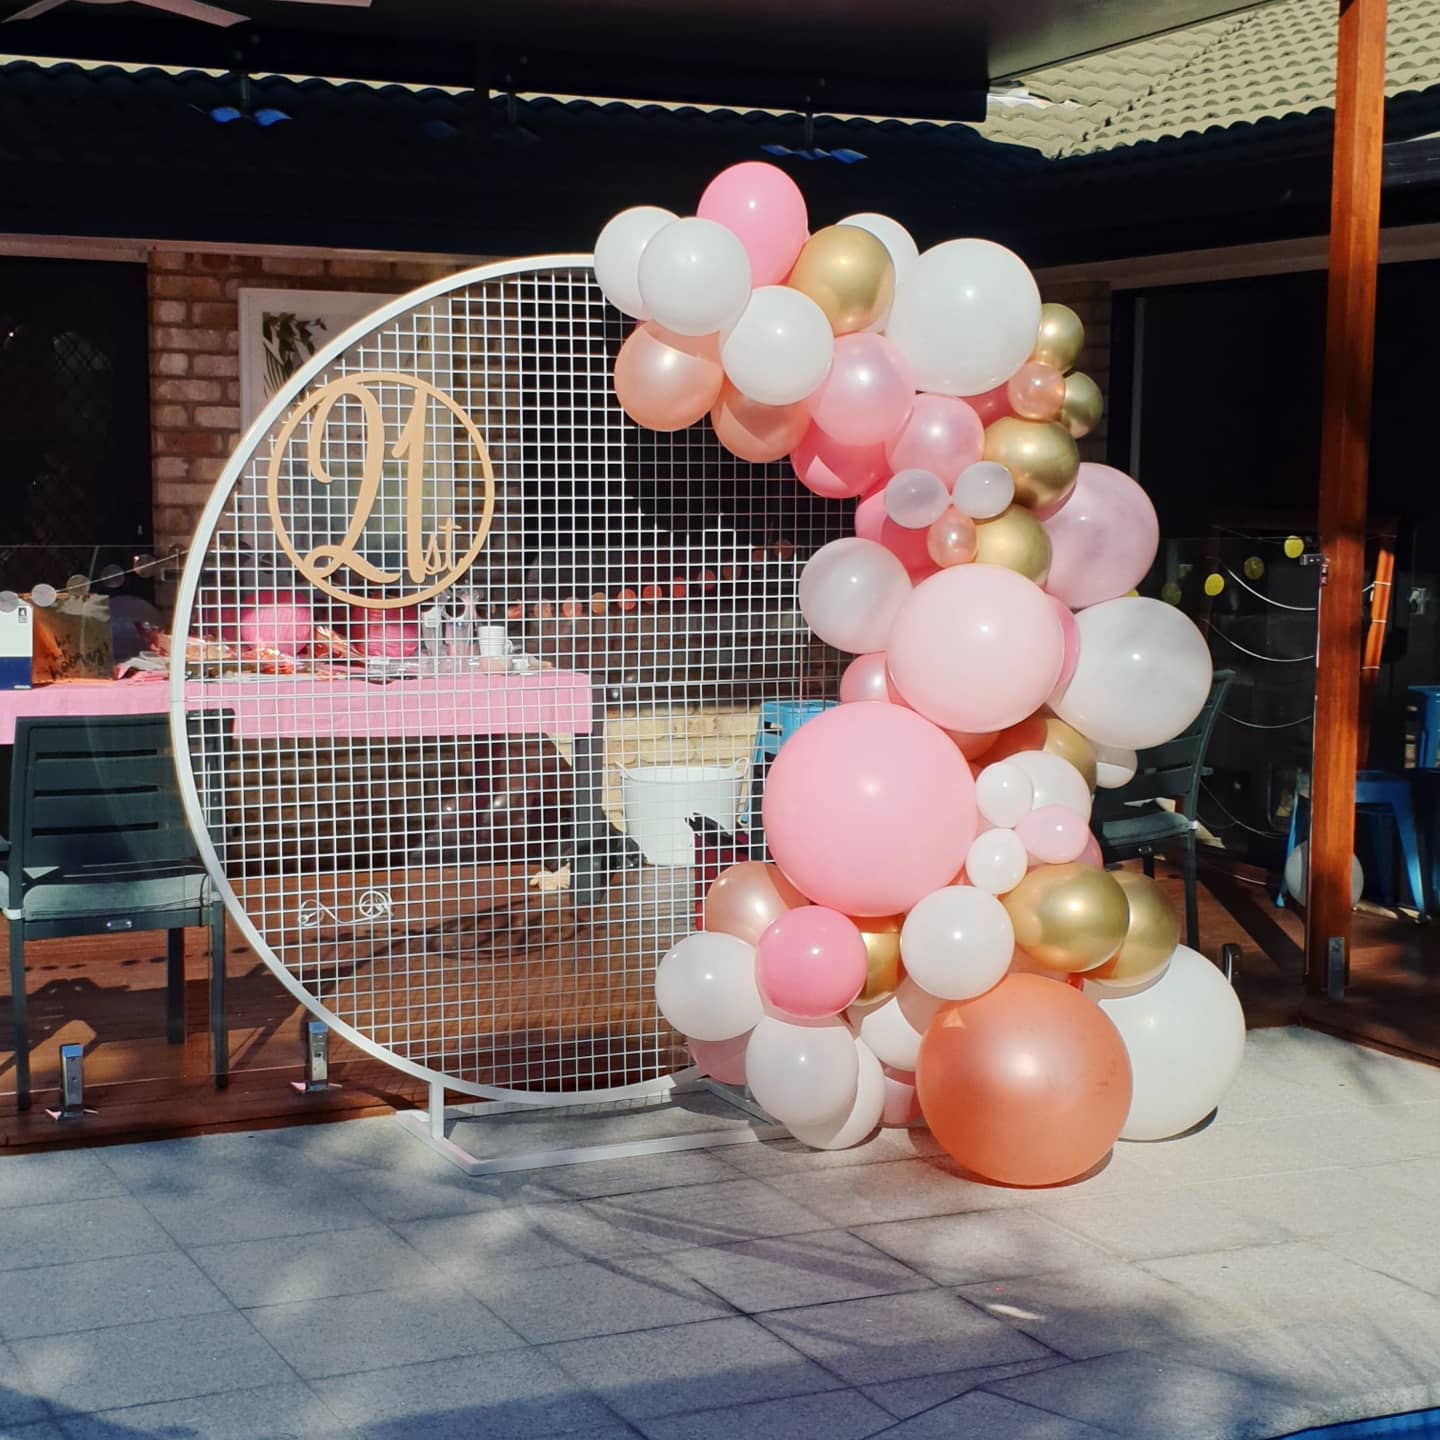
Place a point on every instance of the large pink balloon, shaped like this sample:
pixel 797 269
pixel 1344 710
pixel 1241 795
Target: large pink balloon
pixel 1102 540
pixel 943 435
pixel 910 547
pixel 867 394
pixel 811 962
pixel 665 381
pixel 868 808
pixel 1071 631
pixel 838 471
pixel 722 1060
pixel 976 647
pixel 763 206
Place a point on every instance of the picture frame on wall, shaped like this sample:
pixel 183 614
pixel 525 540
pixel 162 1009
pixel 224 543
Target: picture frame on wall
pixel 281 329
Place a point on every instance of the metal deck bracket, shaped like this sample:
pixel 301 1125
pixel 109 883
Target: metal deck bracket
pixel 72 1085
pixel 316 1036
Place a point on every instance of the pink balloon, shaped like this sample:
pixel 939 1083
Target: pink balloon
pixel 910 547
pixel 865 679
pixel 868 808
pixel 993 405
pixel 867 394
pixel 722 1060
pixel 943 435
pixel 1103 539
pixel 1091 855
pixel 763 206
pixel 393 633
pixel 976 647
pixel 665 381
pixel 838 471
pixel 1053 834
pixel 276 620
pixel 811 962
pixel 1071 631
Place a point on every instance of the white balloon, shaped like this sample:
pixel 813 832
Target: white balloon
pixel 705 987
pixel 1185 1036
pixel 983 490
pixel 850 592
pixel 892 235
pixel 618 251
pixel 894 1027
pixel 1054 779
pixel 1004 793
pixel 1143 674
pixel 780 348
pixel 966 317
pixel 803 1072
pixel 694 277
pixel 1297 874
pixel 957 942
pixel 996 861
pixel 863 1116
pixel 1115 766
pixel 916 499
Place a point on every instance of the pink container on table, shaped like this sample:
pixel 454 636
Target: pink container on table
pixel 392 634
pixel 276 620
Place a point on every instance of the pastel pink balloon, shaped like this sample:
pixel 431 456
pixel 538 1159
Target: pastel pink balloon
pixel 811 962
pixel 763 206
pixel 1053 834
pixel 838 471
pixel 976 647
pixel 910 547
pixel 993 405
pixel 1091 855
pixel 1071 632
pixel 390 633
pixel 865 679
pixel 868 393
pixel 276 620
pixel 665 381
pixel 942 435
pixel 1103 539
pixel 722 1060
pixel 868 808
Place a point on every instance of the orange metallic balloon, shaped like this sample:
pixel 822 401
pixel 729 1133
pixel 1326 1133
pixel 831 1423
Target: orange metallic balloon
pixel 746 899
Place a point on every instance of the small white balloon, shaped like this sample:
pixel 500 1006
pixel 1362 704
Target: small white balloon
pixel 1297 874
pixel 803 1072
pixel 9 602
pixel 617 255
pixel 863 1116
pixel 1185 1036
pixel 997 861
pixel 850 592
pixel 1004 793
pixel 983 490
pixel 1115 766
pixel 1054 781
pixel 957 942
pixel 705 987
pixel 43 596
pixel 694 277
pixel 893 236
pixel 780 348
pixel 916 499
pixel 893 1028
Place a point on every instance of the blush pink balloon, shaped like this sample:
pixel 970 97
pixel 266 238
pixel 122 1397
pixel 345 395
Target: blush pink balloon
pixel 838 471
pixel 763 206
pixel 1071 631
pixel 868 393
pixel 811 963
pixel 722 1060
pixel 276 620
pixel 665 381
pixel 976 647
pixel 1053 834
pixel 1102 540
pixel 391 633
pixel 1092 855
pixel 865 679
pixel 868 808
pixel 942 435
pixel 993 405
pixel 910 547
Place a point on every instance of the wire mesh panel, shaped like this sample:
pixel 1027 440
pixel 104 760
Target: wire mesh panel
pixel 479 679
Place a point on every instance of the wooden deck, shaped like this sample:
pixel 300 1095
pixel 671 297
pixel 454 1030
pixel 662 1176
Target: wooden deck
pixel 108 993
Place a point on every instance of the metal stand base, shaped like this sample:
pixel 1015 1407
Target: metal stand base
pixel 431 1125
pixel 72 1086
pixel 316 1037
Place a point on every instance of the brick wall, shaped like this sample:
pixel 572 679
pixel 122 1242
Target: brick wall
pixel 195 358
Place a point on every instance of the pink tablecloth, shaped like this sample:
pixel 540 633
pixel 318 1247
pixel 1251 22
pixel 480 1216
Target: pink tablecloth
pixel 553 702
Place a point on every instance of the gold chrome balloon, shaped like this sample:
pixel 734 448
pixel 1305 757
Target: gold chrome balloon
pixel 1150 940
pixel 1083 405
pixel 849 274
pixel 1040 454
pixel 1069 744
pixel 881 934
pixel 1016 540
pixel 1062 336
pixel 1069 917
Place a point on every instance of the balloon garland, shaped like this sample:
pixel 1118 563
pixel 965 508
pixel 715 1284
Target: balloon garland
pixel 935 923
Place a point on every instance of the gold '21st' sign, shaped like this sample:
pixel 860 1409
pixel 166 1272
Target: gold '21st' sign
pixel 435 554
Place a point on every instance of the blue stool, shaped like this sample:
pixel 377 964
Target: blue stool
pixel 1427 726
pixel 779 720
pixel 1378 796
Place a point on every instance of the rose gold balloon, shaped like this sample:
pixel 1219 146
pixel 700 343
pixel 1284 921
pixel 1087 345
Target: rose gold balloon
pixel 748 898
pixel 758 433
pixel 665 381
pixel 1027 1084
pixel 1061 337
pixel 1029 734
pixel 951 539
pixel 974 744
pixel 1036 391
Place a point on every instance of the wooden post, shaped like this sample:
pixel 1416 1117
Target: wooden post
pixel 1344 446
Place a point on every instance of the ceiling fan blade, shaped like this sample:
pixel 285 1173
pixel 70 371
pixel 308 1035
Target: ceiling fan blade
pixel 31 11
pixel 197 10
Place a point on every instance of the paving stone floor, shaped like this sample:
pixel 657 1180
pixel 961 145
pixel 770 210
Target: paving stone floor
pixel 1277 1269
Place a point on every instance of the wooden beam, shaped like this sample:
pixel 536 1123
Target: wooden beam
pixel 1344 449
